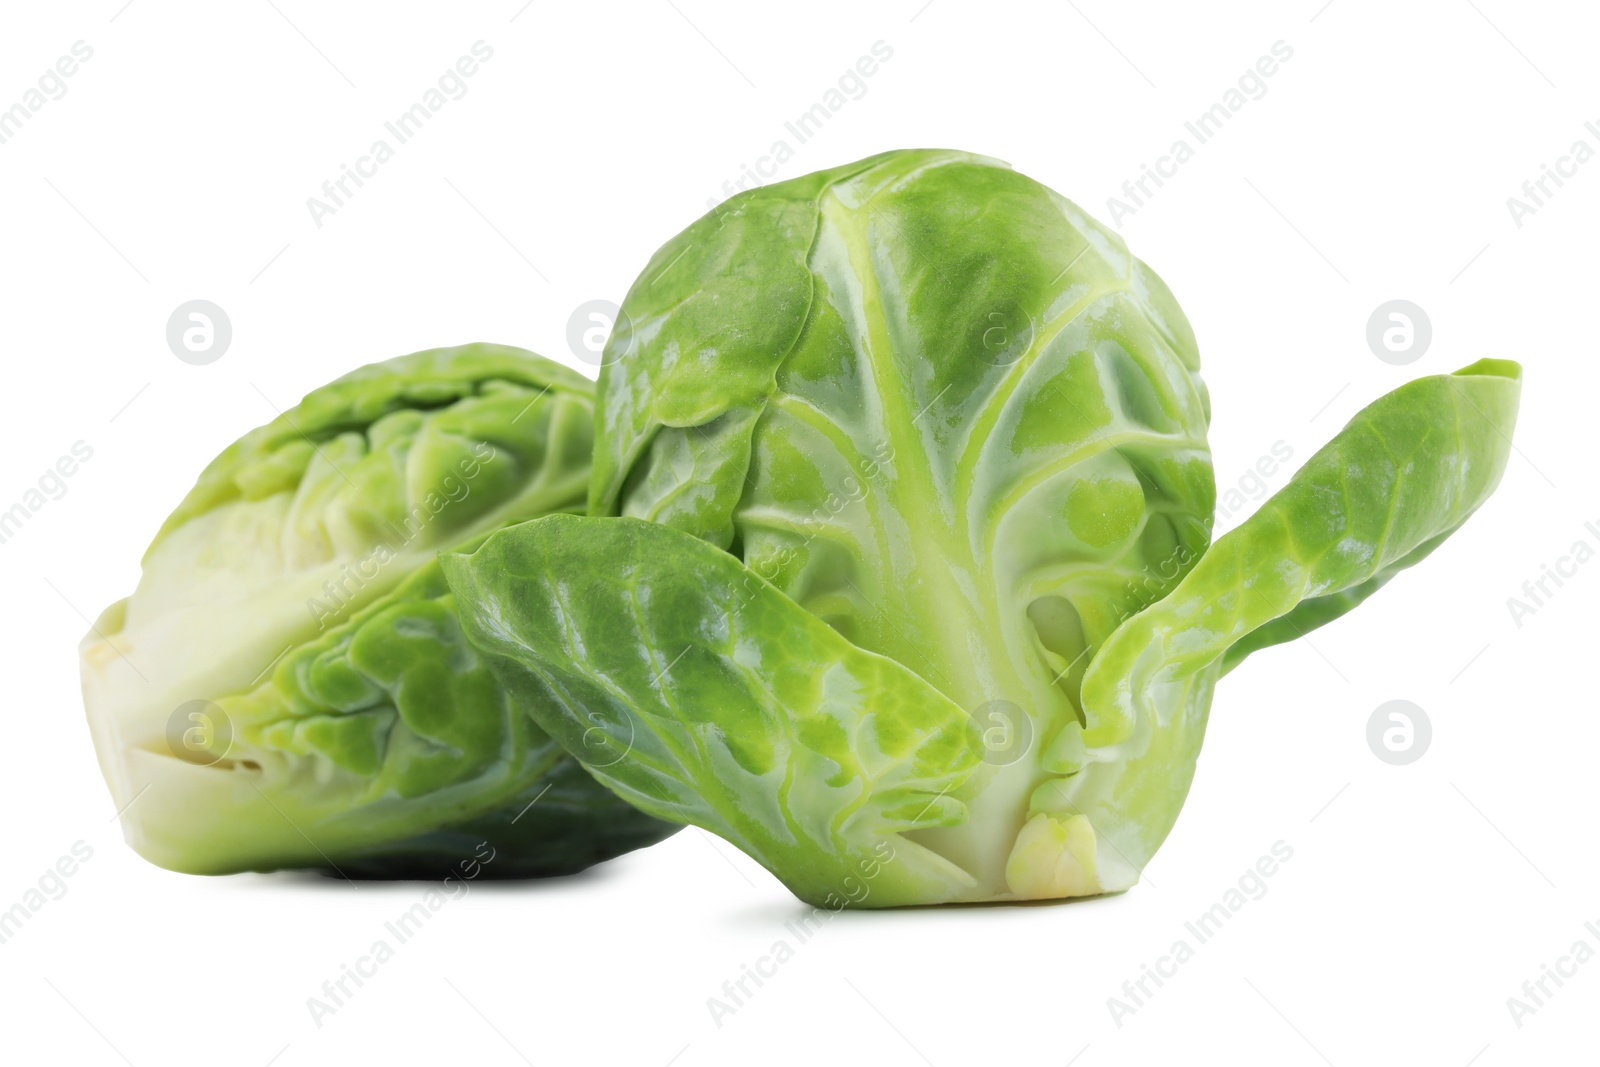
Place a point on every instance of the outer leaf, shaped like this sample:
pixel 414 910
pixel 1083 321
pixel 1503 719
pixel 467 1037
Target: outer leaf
pixel 701 694
pixel 1403 475
pixel 1395 482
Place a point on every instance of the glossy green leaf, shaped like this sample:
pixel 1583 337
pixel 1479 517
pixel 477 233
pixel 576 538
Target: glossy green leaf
pixel 1401 477
pixel 701 694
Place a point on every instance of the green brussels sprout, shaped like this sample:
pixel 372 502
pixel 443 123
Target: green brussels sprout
pixel 289 685
pixel 898 570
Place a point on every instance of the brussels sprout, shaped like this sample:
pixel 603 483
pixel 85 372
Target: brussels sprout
pixel 898 574
pixel 289 685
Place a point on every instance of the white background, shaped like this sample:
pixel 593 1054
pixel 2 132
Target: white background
pixel 1376 166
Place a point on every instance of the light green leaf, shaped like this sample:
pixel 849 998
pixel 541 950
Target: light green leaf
pixel 701 694
pixel 1401 477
